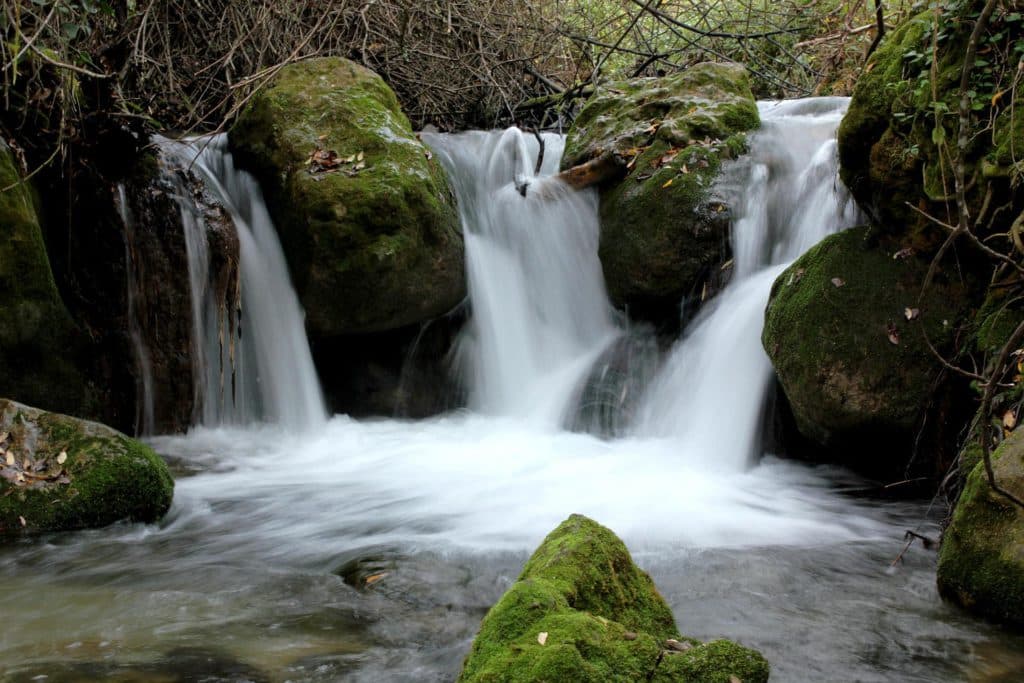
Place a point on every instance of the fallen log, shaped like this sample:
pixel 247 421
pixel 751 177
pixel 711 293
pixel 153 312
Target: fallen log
pixel 608 166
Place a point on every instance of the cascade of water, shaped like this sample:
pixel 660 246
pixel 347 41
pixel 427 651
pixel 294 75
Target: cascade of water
pixel 786 198
pixel 267 373
pixel 145 412
pixel 540 312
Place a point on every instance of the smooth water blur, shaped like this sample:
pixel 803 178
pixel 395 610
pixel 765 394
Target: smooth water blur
pixel 246 578
pixel 267 373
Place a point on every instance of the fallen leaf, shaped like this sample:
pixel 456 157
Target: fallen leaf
pixel 10 459
pixel 911 313
pixel 25 464
pixel 542 637
pixel 1009 419
pixel 360 166
pixel 735 679
pixel 838 281
pixel 629 635
pixel 428 154
pixel 903 254
pixel 374 578
pixel 62 458
pixel 667 183
pixel 359 157
pixel 22 520
pixel 684 170
pixel 322 137
pixel 893 334
pixel 3 436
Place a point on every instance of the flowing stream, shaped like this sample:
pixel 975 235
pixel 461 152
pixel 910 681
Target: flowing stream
pixel 303 549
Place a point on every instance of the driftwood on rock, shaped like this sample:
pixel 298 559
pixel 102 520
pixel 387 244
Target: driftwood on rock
pixel 609 166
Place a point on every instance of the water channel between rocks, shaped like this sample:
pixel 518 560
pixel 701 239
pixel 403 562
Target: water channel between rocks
pixel 312 550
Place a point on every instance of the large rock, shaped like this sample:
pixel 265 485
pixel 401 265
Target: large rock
pixel 373 244
pixel 662 234
pixel 981 562
pixel 900 116
pixel 582 611
pixel 40 345
pixel 857 372
pixel 60 473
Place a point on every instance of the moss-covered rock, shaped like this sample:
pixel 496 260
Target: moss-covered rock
pixel 582 611
pixel 662 234
pixel 60 473
pixel 981 562
pixel 905 109
pixel 373 243
pixel 39 342
pixel 843 329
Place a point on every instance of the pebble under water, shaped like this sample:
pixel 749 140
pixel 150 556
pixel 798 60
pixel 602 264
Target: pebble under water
pixel 370 551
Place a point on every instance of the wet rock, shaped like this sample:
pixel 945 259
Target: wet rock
pixel 981 562
pixel 663 235
pixel 42 350
pixel 582 589
pixel 856 371
pixel 59 473
pixel 366 216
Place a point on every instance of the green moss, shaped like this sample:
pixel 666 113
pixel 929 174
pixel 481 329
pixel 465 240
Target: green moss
pixel 37 336
pixel 106 477
pixel 851 388
pixel 981 562
pixel 368 250
pixel 602 620
pixel 660 234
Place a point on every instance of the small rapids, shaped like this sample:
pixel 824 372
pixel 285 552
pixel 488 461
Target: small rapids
pixel 283 518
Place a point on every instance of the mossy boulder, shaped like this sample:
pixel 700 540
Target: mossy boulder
pixel 366 216
pixel 662 232
pixel 582 611
pixel 844 329
pixel 59 473
pixel 896 140
pixel 981 562
pixel 39 343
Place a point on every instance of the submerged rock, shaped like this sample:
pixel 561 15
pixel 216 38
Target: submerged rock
pixel 843 329
pixel 59 473
pixel 663 236
pixel 40 345
pixel 366 216
pixel 981 562
pixel 582 611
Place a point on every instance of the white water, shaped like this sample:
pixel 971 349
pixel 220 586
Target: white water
pixel 266 372
pixel 540 312
pixel 785 197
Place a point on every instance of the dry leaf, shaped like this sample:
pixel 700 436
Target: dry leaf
pixel 25 464
pixel 374 578
pixel 903 254
pixel 1009 419
pixel 3 436
pixel 893 334
pixel 22 520
pixel 62 458
pixel 359 157
pixel 838 281
pixel 10 459
pixel 911 313
pixel 322 137
pixel 735 679
pixel 542 637
pixel 428 154
pixel 667 183
pixel 684 170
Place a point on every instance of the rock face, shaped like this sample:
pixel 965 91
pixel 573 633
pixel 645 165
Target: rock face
pixel 582 611
pixel 662 234
pixel 366 216
pixel 41 348
pixel 981 562
pixel 857 372
pixel 63 473
pixel 889 139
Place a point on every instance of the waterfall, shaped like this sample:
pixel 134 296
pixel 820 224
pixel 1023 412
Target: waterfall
pixel 540 314
pixel 251 357
pixel 786 197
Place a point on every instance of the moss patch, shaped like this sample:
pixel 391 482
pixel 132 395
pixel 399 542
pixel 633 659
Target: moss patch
pixel 105 476
pixel 370 249
pixel 851 387
pixel 38 340
pixel 661 234
pixel 601 618
pixel 981 562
